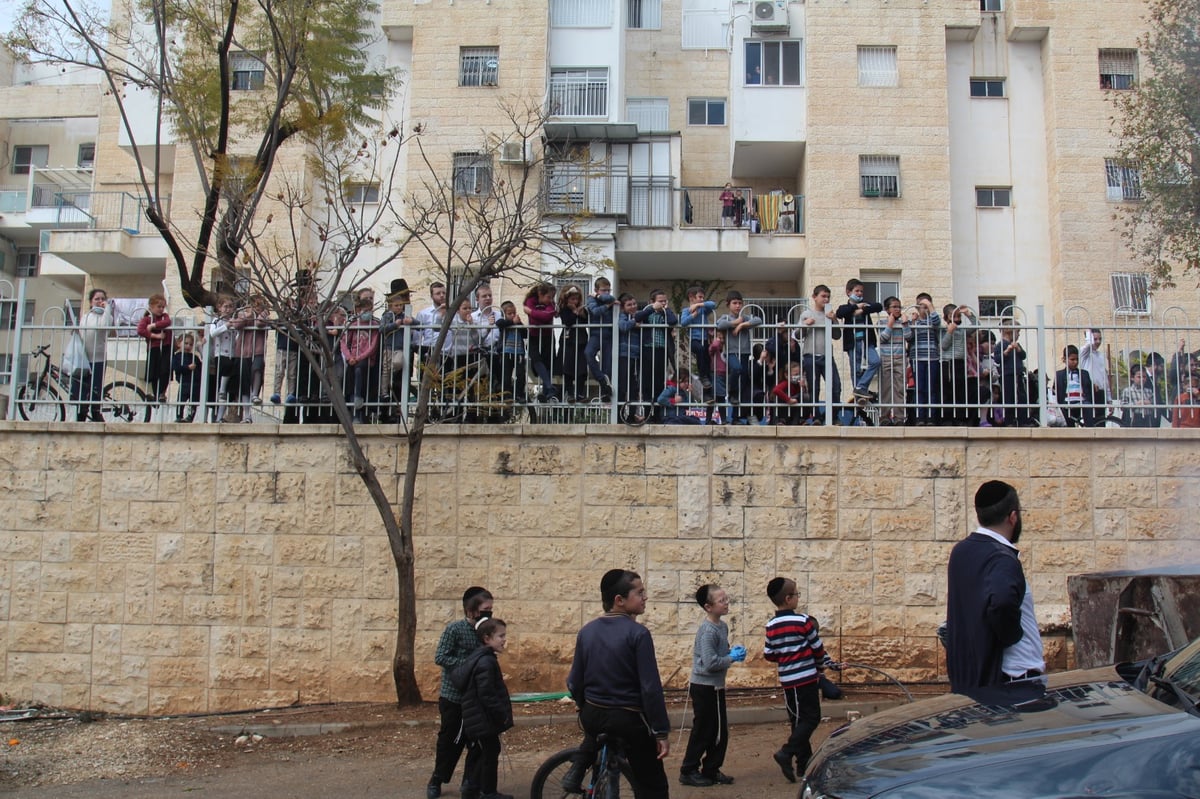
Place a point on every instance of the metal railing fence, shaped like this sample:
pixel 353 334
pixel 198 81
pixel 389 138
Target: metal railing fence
pixel 1139 374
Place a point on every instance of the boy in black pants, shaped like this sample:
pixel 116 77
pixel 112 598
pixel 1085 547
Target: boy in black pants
pixel 711 658
pixel 614 671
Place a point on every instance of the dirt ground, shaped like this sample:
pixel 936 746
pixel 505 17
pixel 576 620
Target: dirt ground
pixel 387 751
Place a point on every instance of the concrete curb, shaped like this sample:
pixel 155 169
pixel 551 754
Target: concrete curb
pixel 754 714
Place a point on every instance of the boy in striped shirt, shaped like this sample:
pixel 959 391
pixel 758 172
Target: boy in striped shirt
pixel 794 645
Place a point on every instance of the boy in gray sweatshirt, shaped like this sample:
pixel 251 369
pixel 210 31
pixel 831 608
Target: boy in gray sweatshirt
pixel 711 658
pixel 738 349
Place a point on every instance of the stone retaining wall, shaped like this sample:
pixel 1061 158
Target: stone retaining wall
pixel 169 569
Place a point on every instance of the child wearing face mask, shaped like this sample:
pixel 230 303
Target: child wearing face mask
pixel 360 347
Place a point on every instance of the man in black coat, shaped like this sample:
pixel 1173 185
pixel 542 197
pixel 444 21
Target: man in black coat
pixel 992 634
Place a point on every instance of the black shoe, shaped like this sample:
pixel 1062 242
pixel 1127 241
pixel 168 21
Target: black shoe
pixel 718 777
pixel 785 765
pixel 572 781
pixel 433 790
pixel 695 779
pixel 468 791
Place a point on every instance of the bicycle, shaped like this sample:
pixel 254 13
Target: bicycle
pixel 45 396
pixel 464 396
pixel 608 777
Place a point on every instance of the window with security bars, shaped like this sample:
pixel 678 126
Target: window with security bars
pixel 991 5
pixel 995 308
pixel 706 111
pixel 648 113
pixel 581 13
pixel 775 63
pixel 993 197
pixel 879 175
pixel 248 72
pixel 877 66
pixel 878 286
pixel 987 87
pixel 1118 69
pixel 87 155
pixel 1131 293
pixel 360 193
pixel 472 174
pixel 579 92
pixel 644 14
pixel 478 66
pixel 1124 181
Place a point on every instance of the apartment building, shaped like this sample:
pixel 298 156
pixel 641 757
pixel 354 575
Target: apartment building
pixel 959 147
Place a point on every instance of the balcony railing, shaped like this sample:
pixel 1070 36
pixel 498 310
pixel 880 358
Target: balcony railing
pixel 576 188
pixel 98 210
pixel 704 207
pixel 578 95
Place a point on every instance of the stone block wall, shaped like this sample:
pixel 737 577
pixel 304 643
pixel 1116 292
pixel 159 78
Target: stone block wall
pixel 169 569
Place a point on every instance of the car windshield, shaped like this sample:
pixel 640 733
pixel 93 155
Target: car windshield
pixel 1177 681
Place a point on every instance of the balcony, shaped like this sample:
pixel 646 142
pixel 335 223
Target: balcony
pixel 51 199
pixel 111 235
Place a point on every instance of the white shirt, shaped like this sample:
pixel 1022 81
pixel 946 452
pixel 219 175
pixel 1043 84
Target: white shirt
pixel 428 321
pixel 1026 654
pixel 1095 363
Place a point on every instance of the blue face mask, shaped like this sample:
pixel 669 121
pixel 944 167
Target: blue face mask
pixel 856 298
pixel 96 309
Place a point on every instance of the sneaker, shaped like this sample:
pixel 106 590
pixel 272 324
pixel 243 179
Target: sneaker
pixel 696 780
pixel 247 419
pixel 275 401
pixel 256 400
pixel 433 790
pixel 291 399
pixel 785 765
pixel 719 778
pixel 572 781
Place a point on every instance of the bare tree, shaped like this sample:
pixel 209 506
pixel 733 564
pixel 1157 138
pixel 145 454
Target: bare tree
pixel 301 240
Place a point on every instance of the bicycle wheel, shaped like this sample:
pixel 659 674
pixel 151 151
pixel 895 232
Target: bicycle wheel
pixel 634 414
pixel 124 402
pixel 547 781
pixel 40 403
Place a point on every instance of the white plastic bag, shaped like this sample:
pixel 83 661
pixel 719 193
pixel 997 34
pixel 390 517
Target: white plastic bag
pixel 75 361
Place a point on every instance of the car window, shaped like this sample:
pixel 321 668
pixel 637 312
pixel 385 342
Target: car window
pixel 1184 669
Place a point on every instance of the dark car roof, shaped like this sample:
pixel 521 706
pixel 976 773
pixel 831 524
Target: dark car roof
pixel 1088 729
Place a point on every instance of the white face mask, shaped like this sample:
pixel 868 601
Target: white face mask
pixel 96 309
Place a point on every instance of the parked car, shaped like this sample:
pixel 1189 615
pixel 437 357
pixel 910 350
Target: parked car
pixel 1130 731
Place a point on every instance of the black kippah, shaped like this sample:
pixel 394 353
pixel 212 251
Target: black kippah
pixel 993 492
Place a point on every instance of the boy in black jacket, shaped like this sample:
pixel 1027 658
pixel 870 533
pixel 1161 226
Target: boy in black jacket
pixel 486 708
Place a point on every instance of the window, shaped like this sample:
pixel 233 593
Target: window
pixel 581 13
pixel 249 72
pixel 1131 293
pixel 5 369
pixel 472 174
pixel 648 113
pixel 579 92
pixel 878 286
pixel 1124 181
pixel 27 157
pixel 478 66
pixel 996 307
pixel 360 193
pixel 993 198
pixel 87 155
pixel 991 5
pixel 987 87
pixel 877 66
pixel 879 175
pixel 706 111
pixel 644 14
pixel 27 263
pixel 1118 69
pixel 775 63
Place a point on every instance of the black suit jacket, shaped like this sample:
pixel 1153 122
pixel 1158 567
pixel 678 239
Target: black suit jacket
pixel 986 587
pixel 1087 413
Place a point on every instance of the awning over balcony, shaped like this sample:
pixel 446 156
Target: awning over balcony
pixel 590 131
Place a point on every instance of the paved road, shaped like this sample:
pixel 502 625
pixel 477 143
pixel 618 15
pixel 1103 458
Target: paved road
pixel 349 775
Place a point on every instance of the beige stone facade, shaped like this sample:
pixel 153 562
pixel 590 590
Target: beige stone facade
pixel 165 570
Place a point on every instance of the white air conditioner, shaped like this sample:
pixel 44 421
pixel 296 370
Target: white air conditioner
pixel 515 152
pixel 770 15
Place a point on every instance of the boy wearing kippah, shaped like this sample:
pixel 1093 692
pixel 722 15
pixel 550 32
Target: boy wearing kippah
pixel 795 647
pixel 711 658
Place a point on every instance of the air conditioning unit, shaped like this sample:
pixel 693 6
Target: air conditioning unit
pixel 516 152
pixel 770 15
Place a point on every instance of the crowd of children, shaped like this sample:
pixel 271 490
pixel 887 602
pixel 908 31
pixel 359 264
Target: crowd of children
pixel 615 684
pixel 708 364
